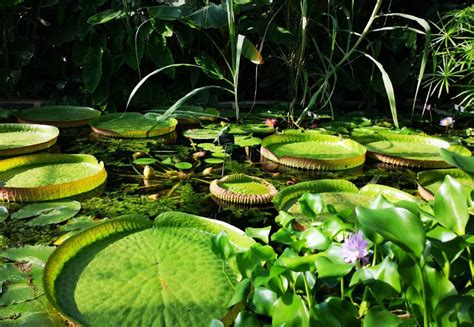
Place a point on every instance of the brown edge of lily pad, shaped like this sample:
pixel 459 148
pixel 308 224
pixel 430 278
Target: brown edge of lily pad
pixel 134 134
pixel 59 124
pixel 246 199
pixel 412 163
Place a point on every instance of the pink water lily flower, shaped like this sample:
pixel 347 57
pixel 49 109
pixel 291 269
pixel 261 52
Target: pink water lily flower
pixel 270 122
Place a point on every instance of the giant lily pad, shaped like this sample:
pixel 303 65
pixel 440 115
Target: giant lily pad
pixel 340 194
pixel 243 189
pixel 130 271
pixel 409 150
pixel 132 125
pixel 59 116
pixel 313 151
pixel 430 181
pixel 42 177
pixel 16 139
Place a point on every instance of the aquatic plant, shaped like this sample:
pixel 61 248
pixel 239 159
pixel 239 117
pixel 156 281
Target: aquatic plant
pixel 59 116
pixel 186 282
pixel 314 151
pixel 17 139
pixel 243 189
pixel 41 177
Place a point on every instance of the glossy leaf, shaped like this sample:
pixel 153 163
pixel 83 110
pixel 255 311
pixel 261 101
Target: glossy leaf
pixel 465 163
pixel 379 316
pixel 92 68
pixel 246 319
pixel 397 225
pixel 335 312
pixel 450 206
pixel 183 165
pixel 3 214
pixel 328 268
pixel 212 16
pixel 259 233
pixel 37 254
pixel 311 204
pixel 105 16
pixel 166 12
pixel 263 300
pixel 209 66
pixel 314 239
pixel 250 52
pixel 48 212
pixel 290 310
pixel 241 292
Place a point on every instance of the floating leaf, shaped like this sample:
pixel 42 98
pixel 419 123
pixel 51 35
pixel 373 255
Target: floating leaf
pixel 48 212
pixel 183 165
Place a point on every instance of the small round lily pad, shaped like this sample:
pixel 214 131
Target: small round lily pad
pixel 243 189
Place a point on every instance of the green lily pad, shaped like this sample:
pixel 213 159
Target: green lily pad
pixel 183 165
pixel 37 254
pixel 48 212
pixel 213 161
pixel 42 177
pixel 313 151
pixel 131 125
pixel 409 150
pixel 390 193
pixel 132 271
pixel 430 181
pixel 201 134
pixel 16 139
pixel 59 116
pixel 243 189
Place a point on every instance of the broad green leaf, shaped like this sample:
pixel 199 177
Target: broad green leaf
pixel 10 273
pixel 385 272
pixel 166 12
pixel 314 239
pixel 211 16
pixel 241 292
pixel 335 312
pixel 465 163
pixel 145 161
pixel 259 233
pixel 455 310
pixel 16 293
pixel 209 66
pixel 293 261
pixel 450 206
pixel 3 214
pixel 48 212
pixel 397 225
pixel 16 139
pixel 250 52
pixel 105 16
pixel 290 310
pixel 263 300
pixel 37 254
pixel 311 204
pixel 379 316
pixel 221 245
pixel 246 319
pixel 92 68
pixel 161 55
pixel 60 116
pixel 327 268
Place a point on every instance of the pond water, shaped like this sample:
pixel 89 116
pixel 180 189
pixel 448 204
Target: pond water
pixel 187 190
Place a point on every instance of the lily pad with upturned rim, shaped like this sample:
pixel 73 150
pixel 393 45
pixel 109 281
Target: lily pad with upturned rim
pixel 131 125
pixel 59 116
pixel 430 181
pixel 313 151
pixel 17 139
pixel 132 271
pixel 42 177
pixel 243 189
pixel 341 194
pixel 417 151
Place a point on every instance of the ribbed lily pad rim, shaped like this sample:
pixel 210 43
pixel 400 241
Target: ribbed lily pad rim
pixel 293 192
pixel 52 131
pixel 52 191
pixel 390 193
pixel 133 133
pixel 126 225
pixel 313 164
pixel 247 199
pixel 28 116
pixel 428 177
pixel 412 139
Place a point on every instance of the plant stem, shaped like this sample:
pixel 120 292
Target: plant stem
pixel 346 56
pixel 342 288
pixel 471 265
pixel 306 287
pixel 426 319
